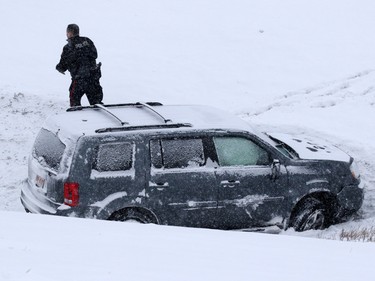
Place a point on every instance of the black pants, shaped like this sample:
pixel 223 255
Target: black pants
pixel 89 86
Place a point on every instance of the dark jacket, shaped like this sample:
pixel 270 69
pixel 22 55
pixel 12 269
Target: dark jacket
pixel 78 57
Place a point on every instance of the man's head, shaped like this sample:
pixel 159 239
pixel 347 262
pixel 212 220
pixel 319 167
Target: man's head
pixel 72 30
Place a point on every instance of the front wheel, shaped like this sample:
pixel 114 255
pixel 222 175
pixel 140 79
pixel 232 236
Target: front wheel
pixel 312 214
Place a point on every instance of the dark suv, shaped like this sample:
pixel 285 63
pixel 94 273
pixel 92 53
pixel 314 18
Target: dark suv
pixel 193 166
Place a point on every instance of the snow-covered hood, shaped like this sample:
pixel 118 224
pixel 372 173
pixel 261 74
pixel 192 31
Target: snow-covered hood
pixel 312 148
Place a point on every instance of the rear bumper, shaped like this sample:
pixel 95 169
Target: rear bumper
pixel 37 203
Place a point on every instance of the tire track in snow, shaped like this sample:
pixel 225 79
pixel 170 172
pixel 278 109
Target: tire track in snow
pixel 327 94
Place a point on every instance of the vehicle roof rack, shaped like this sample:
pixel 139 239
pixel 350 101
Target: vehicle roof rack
pixel 105 107
pixel 153 110
pixel 111 113
pixel 143 127
pixel 77 108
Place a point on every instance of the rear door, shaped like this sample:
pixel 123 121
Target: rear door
pixel 249 193
pixel 182 185
pixel 114 174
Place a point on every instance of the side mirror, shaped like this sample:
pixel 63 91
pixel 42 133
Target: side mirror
pixel 275 169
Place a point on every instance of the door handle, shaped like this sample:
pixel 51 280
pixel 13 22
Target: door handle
pixel 230 183
pixel 158 184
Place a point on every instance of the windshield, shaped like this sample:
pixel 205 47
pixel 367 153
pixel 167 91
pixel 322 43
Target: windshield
pixel 48 149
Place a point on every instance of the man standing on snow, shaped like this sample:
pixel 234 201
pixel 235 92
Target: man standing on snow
pixel 79 58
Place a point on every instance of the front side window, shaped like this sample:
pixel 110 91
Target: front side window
pixel 114 157
pixel 48 149
pixel 177 153
pixel 238 151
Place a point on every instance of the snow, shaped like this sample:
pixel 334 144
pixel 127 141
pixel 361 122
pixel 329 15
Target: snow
pixel 312 148
pixel 109 199
pixel 89 120
pixel 251 200
pixel 70 248
pixel 294 67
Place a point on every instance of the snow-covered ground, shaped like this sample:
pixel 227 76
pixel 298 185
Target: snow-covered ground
pixel 76 249
pixel 288 66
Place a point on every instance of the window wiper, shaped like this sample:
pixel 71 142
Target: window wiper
pixel 291 153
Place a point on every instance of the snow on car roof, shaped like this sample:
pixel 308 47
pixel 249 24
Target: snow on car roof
pixel 88 120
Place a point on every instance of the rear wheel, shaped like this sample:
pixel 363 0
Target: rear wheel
pixel 312 214
pixel 133 215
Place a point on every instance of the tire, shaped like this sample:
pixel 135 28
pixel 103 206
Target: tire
pixel 133 215
pixel 312 214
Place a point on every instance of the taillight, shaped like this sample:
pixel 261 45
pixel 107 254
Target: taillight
pixel 71 194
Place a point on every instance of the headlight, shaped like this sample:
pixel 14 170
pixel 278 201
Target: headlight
pixel 355 170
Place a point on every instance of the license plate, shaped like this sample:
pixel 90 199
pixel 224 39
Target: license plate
pixel 39 181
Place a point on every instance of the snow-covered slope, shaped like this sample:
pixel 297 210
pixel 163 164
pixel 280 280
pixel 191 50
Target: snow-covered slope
pixel 343 122
pixel 235 54
pixel 21 116
pixel 340 112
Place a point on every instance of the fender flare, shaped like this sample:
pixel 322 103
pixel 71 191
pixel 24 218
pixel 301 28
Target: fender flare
pixel 115 203
pixel 322 193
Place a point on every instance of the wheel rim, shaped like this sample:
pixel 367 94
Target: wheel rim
pixel 315 220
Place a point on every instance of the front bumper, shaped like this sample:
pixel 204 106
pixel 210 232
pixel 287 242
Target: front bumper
pixel 350 199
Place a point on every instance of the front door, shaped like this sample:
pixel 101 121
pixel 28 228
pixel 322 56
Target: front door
pixel 249 193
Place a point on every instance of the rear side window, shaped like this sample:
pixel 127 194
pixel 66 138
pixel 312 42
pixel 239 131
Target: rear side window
pixel 114 157
pixel 177 153
pixel 48 149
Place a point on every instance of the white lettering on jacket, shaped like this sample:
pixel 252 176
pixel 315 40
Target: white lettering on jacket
pixel 81 45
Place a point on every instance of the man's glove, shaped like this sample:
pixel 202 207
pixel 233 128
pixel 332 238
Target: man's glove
pixel 59 69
